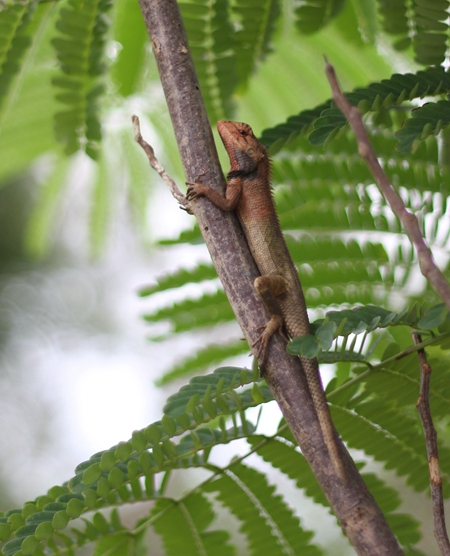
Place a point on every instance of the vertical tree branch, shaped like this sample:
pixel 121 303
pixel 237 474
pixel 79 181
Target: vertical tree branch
pixel 359 515
pixel 423 407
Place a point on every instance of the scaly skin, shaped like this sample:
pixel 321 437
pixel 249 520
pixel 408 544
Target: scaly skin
pixel 249 193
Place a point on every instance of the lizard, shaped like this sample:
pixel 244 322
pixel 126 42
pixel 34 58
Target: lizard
pixel 249 194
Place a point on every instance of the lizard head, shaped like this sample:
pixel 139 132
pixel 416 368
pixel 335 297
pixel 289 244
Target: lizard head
pixel 243 148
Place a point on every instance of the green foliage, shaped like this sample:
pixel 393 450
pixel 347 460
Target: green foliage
pixel 189 518
pixel 326 205
pixel 257 21
pixel 427 24
pixel 267 521
pixel 210 35
pixel 395 20
pixel 14 41
pixel 79 48
pixel 349 250
pixel 229 41
pixel 364 320
pixel 325 120
pixel 204 358
pixel 369 416
pixel 427 120
pixel 422 23
pixel 314 15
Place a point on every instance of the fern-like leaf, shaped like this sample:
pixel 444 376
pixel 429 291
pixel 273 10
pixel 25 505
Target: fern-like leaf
pixel 430 40
pixel 180 278
pixel 114 476
pixel 396 20
pixel 364 320
pixel 83 27
pixel 108 478
pixel 364 431
pixel 211 40
pixel 218 386
pixel 313 15
pixel 213 308
pixel 14 40
pixel 328 120
pixel 424 121
pixel 204 358
pixel 189 518
pixel 269 524
pixel 284 455
pixel 257 20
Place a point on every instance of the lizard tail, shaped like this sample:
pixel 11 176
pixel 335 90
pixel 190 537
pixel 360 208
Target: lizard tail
pixel 323 414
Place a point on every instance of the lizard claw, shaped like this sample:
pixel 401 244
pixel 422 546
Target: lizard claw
pixel 187 208
pixel 275 324
pixel 195 189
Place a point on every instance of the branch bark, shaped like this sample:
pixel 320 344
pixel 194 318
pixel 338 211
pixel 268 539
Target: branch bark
pixel 359 515
pixel 423 407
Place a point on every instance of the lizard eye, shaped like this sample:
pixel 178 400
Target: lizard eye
pixel 242 132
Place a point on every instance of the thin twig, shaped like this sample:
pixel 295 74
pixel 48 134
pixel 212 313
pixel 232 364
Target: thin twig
pixel 409 221
pixel 423 407
pixel 156 165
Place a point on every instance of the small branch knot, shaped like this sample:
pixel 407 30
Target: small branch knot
pixel 435 475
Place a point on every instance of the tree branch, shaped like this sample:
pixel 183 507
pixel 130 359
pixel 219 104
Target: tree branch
pixel 359 515
pixel 409 221
pixel 423 407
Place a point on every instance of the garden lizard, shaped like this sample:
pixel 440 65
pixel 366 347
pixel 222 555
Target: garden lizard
pixel 249 193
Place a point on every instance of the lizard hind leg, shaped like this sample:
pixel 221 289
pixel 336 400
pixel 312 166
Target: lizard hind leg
pixel 268 287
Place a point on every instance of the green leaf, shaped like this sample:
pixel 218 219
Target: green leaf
pixel 211 40
pixel 314 14
pixel 60 520
pixel 433 317
pixel 189 518
pixel 5 531
pixel 75 507
pixel 123 544
pixel 44 531
pixel 284 456
pixel 203 358
pixel 130 32
pixel 398 89
pixel 91 474
pixel 266 519
pixel 79 50
pixel 257 21
pixel 15 19
pixel 325 334
pixel 306 345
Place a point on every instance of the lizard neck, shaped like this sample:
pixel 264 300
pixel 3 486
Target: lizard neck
pixel 256 202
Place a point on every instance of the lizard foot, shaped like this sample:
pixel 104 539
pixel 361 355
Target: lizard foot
pixel 195 189
pixel 275 324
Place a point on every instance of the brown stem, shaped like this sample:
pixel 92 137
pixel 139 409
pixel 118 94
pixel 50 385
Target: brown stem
pixel 359 515
pixel 409 221
pixel 154 163
pixel 423 407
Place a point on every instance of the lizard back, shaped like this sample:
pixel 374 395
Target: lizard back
pixel 259 220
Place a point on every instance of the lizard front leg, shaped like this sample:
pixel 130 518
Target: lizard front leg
pixel 228 203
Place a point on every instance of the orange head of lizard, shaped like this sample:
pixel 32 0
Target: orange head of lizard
pixel 243 148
